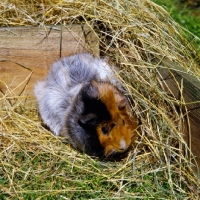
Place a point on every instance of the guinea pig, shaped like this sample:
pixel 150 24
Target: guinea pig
pixel 82 100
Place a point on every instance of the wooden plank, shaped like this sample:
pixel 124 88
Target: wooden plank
pixel 177 82
pixel 26 53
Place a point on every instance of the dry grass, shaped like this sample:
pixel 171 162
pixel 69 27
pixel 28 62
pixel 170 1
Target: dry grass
pixel 136 36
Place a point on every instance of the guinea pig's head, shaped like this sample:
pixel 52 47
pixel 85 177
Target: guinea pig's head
pixel 116 135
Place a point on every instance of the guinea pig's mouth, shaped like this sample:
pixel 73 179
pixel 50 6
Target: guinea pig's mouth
pixel 115 155
pixel 118 151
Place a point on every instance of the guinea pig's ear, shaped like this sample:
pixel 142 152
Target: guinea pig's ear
pixel 122 104
pixel 89 119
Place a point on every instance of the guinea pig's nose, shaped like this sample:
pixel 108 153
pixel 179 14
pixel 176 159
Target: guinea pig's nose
pixel 123 145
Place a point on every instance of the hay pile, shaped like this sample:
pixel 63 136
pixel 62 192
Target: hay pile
pixel 136 36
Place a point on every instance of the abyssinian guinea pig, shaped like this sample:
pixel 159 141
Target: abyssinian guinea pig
pixel 82 100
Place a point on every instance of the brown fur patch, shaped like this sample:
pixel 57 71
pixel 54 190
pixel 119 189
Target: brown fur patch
pixel 118 134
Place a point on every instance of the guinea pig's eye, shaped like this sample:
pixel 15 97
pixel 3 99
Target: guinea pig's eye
pixel 123 122
pixel 105 130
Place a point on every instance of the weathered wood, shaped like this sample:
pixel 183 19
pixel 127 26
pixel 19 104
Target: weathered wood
pixel 26 53
pixel 186 89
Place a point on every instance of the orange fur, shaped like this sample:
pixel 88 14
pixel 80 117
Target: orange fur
pixel 122 126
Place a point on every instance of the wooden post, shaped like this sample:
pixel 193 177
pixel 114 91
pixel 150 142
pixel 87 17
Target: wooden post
pixel 186 88
pixel 26 53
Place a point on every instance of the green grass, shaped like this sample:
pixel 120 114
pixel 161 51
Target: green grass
pixel 40 178
pixel 184 14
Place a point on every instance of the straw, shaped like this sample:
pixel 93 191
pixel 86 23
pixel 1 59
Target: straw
pixel 135 36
